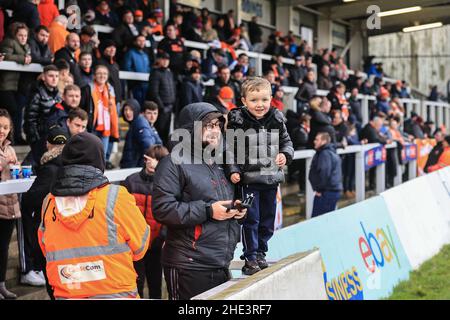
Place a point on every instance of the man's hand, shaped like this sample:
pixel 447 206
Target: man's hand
pixel 235 178
pixel 318 194
pixel 27 60
pixel 241 213
pixel 220 211
pixel 280 160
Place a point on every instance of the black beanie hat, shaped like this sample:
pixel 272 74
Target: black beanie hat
pixel 105 44
pixel 85 149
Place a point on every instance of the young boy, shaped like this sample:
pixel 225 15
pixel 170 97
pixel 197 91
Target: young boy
pixel 139 137
pixel 150 112
pixel 256 179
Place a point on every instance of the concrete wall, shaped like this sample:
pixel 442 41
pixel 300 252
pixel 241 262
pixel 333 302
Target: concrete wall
pixel 420 71
pixel 297 277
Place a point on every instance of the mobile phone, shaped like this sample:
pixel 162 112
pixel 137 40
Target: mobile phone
pixel 246 203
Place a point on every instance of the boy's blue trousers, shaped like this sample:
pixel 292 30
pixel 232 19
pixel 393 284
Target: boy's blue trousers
pixel 258 226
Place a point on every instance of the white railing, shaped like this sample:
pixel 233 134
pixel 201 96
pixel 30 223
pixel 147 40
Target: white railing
pixel 439 112
pixel 22 185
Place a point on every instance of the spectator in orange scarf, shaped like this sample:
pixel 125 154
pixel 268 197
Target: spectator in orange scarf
pixel 102 108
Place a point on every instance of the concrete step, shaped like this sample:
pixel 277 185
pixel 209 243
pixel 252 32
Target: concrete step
pixel 21 152
pixel 31 293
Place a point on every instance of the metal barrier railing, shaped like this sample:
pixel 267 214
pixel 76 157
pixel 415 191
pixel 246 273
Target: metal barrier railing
pixel 360 171
pixel 22 185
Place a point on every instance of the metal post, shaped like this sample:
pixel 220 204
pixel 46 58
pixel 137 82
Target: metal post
pixel 433 111
pixel 412 169
pixel 415 107
pixel 309 190
pixel 398 177
pixel 445 111
pixel 423 110
pixel 365 109
pixel 360 175
pixel 259 68
pixel 381 178
pixel 447 124
pixel 166 9
pixel 440 117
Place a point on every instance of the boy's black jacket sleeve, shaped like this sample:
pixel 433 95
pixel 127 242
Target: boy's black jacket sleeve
pixel 286 146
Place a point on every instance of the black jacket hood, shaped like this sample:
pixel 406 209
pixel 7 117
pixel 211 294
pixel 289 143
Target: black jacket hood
pixel 77 180
pixel 196 112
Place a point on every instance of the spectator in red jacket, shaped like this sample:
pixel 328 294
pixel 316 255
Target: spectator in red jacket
pixel 140 185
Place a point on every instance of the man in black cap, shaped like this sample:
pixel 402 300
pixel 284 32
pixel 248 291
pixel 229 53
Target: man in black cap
pixel 191 196
pixel 108 51
pixel 162 90
pixel 34 262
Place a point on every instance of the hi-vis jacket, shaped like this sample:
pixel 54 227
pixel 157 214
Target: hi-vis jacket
pixel 90 254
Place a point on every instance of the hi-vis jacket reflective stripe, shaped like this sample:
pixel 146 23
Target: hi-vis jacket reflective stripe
pixel 90 254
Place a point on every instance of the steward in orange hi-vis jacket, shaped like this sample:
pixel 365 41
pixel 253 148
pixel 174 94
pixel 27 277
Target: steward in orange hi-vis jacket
pixel 91 231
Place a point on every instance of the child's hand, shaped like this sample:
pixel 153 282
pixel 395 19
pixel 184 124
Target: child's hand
pixel 280 160
pixel 235 178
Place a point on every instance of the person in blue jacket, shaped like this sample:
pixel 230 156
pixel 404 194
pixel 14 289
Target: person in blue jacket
pixel 325 175
pixel 139 136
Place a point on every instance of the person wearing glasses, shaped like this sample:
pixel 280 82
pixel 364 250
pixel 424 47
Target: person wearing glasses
pixel 193 198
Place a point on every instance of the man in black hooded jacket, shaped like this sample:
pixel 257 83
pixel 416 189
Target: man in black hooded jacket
pixel 191 200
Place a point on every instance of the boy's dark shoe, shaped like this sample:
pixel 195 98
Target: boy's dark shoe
pixel 261 260
pixel 251 267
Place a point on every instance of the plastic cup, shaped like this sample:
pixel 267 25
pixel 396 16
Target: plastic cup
pixel 26 172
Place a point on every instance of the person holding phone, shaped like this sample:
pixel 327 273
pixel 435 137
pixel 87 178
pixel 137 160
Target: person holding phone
pixel 192 197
